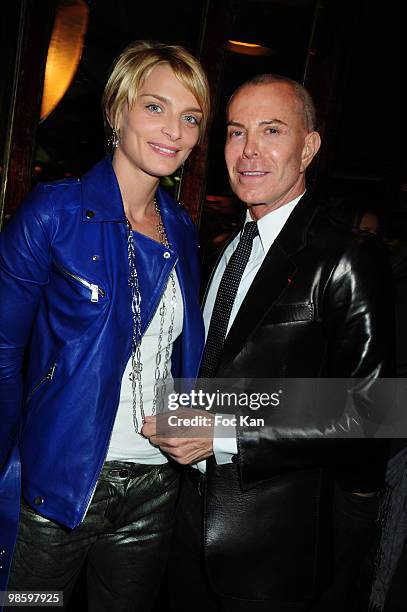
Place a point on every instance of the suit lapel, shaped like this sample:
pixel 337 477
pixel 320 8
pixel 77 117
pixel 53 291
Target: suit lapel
pixel 272 278
pixel 268 284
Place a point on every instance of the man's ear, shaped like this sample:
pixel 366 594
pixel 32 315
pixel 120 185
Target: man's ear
pixel 310 149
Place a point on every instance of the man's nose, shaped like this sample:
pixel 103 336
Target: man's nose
pixel 251 148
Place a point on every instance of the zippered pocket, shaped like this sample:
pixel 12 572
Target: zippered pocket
pixel 95 290
pixel 48 376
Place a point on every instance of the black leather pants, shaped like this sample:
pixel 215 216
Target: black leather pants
pixel 124 540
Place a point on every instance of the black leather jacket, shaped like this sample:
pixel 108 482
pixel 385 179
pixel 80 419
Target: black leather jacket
pixel 320 307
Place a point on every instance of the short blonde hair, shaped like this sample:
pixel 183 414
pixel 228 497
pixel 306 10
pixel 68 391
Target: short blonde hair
pixel 134 66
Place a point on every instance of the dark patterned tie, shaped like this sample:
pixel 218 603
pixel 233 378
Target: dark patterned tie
pixel 225 298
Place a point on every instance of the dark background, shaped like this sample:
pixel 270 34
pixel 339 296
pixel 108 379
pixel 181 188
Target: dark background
pixel 349 53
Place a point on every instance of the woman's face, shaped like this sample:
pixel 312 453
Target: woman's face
pixel 158 133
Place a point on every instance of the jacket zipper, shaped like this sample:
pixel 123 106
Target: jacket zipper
pixel 95 484
pixel 48 376
pixel 95 290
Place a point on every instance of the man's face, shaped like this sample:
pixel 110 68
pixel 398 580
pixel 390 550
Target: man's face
pixel 267 147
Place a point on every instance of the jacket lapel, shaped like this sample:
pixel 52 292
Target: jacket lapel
pixel 274 275
pixel 180 236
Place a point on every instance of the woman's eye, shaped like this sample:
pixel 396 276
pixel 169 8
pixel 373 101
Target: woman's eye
pixel 272 130
pixel 235 133
pixel 154 108
pixel 191 119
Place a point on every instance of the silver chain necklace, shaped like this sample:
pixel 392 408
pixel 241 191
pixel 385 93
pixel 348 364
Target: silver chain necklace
pixel 160 377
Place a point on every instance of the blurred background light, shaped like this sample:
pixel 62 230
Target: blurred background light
pixel 245 48
pixel 64 52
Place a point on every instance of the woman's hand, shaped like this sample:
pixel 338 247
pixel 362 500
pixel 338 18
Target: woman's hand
pixel 194 441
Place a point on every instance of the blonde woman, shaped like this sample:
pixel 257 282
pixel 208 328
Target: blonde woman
pixel 99 289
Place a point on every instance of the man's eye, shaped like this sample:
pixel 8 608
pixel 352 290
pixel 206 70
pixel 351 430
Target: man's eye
pixel 272 130
pixel 154 108
pixel 191 119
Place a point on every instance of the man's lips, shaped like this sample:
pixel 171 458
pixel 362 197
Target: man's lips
pixel 252 174
pixel 164 149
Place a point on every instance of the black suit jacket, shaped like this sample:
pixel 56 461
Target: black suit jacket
pixel 320 307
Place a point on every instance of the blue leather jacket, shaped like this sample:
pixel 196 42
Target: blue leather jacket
pixel 65 295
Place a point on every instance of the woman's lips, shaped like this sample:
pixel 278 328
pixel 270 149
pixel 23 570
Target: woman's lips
pixel 163 149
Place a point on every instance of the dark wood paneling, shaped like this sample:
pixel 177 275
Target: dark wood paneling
pixel 35 29
pixel 218 21
pixel 327 67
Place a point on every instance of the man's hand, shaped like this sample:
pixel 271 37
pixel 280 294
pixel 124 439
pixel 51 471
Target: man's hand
pixel 193 444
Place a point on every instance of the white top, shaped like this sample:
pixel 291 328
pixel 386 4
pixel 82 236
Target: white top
pixel 125 443
pixel 269 227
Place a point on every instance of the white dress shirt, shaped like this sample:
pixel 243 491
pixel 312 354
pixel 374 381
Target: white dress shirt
pixel 269 227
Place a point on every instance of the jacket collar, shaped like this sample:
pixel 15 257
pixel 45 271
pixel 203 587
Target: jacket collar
pixel 293 236
pixel 102 200
pixel 101 197
pixel 276 271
